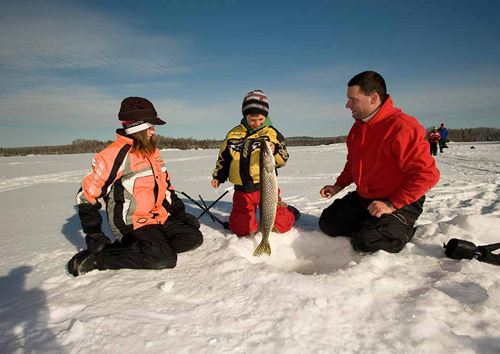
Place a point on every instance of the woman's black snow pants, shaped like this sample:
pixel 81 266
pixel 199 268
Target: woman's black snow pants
pixel 151 247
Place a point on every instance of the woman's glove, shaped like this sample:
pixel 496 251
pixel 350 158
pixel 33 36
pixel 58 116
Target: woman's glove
pixel 96 242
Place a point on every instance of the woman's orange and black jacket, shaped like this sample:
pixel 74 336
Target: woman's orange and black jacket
pixel 136 189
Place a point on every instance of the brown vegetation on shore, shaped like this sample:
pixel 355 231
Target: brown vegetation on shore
pixel 82 146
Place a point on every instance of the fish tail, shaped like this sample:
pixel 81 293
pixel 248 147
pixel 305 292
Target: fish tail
pixel 263 247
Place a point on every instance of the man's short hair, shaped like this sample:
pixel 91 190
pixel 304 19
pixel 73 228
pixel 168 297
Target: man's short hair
pixel 370 82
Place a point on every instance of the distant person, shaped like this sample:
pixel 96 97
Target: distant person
pixel 146 216
pixel 434 138
pixel 388 160
pixel 239 162
pixel 444 136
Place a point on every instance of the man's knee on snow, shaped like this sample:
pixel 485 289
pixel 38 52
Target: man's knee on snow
pixel 324 224
pixel 370 242
pixel 327 224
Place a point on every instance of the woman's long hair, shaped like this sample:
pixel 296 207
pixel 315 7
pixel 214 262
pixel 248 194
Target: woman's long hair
pixel 142 145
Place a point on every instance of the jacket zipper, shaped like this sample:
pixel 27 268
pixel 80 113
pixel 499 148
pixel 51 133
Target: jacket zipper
pixel 156 188
pixel 363 129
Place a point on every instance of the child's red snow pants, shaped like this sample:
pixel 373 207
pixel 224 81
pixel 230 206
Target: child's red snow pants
pixel 242 219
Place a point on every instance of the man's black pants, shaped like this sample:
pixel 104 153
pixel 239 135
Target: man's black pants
pixel 349 216
pixel 442 145
pixel 151 247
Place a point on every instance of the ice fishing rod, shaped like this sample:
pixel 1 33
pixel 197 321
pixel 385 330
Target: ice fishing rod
pixel 224 224
pixel 461 249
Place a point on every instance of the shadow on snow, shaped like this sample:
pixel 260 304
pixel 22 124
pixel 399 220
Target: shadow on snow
pixel 24 316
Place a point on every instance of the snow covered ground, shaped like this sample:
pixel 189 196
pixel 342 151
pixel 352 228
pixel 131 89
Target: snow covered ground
pixel 313 295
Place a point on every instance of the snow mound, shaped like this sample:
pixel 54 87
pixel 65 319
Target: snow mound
pixel 298 251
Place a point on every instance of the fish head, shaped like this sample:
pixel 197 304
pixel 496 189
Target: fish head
pixel 267 161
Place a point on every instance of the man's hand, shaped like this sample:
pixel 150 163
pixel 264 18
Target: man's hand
pixel 215 183
pixel 329 191
pixel 378 208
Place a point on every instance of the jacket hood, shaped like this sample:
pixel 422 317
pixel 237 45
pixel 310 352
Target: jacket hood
pixel 122 136
pixel 267 123
pixel 386 109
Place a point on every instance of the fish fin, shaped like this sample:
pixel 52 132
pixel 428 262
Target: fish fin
pixel 263 247
pixel 254 232
pixel 275 229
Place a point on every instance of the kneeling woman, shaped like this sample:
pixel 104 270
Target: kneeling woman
pixel 148 219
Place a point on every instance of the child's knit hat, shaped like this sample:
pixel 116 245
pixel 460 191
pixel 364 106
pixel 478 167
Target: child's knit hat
pixel 255 102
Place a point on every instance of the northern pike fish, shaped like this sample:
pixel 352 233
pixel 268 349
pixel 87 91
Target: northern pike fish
pixel 268 196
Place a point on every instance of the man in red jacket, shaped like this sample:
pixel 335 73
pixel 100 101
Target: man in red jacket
pixel 388 160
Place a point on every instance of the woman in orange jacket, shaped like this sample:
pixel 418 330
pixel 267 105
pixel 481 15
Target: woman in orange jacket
pixel 146 216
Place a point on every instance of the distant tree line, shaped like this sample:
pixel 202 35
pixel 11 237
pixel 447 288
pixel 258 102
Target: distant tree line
pixel 186 143
pixel 79 146
pixel 310 141
pixel 82 146
pixel 472 134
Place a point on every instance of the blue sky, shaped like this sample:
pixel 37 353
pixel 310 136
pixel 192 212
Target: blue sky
pixel 65 66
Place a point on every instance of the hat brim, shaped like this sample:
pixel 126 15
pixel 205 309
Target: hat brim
pixel 154 121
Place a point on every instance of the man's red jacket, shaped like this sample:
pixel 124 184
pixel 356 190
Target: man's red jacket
pixel 388 158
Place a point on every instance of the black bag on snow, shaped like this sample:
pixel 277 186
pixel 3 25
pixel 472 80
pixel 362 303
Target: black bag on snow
pixel 461 249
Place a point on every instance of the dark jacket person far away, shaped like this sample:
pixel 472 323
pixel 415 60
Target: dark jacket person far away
pixel 388 159
pixel 444 137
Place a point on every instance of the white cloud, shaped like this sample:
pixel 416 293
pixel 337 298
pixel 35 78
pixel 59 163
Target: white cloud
pixel 463 99
pixel 53 55
pixel 206 121
pixel 306 107
pixel 293 113
pixel 39 39
pixel 457 106
pixel 75 105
